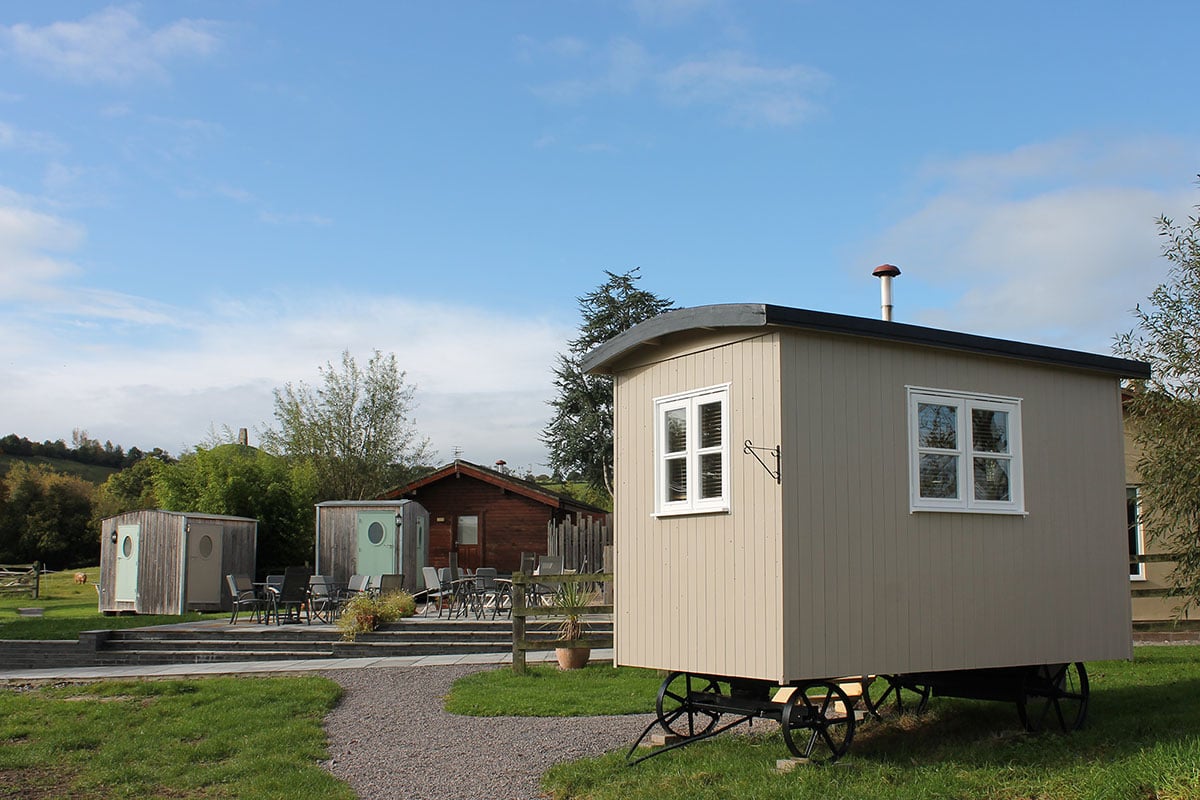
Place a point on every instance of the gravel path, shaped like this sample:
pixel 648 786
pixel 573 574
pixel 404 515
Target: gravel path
pixel 389 738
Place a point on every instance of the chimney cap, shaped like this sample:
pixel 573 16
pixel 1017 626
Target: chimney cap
pixel 886 271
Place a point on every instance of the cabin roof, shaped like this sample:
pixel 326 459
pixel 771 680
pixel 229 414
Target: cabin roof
pixel 519 486
pixel 762 315
pixel 187 514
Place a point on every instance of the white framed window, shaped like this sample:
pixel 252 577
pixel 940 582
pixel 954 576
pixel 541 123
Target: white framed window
pixel 691 440
pixel 964 452
pixel 1137 541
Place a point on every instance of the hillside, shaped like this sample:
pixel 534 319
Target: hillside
pixel 89 472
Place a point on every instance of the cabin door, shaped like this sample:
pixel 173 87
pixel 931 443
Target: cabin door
pixel 377 543
pixel 466 541
pixel 204 564
pixel 128 549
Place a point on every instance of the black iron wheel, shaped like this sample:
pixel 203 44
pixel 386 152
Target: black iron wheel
pixel 678 713
pixel 1054 696
pixel 899 696
pixel 818 722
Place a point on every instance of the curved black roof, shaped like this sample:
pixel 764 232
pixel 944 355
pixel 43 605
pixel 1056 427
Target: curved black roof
pixel 758 315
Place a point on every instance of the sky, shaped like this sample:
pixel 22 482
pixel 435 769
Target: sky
pixel 201 202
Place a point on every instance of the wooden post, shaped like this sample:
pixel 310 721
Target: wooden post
pixel 37 579
pixel 518 623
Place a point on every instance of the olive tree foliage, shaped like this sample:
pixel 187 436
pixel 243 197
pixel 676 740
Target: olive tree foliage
pixel 579 437
pixel 1164 411
pixel 355 429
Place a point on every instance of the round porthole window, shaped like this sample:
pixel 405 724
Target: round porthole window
pixel 375 533
pixel 205 546
pixel 127 547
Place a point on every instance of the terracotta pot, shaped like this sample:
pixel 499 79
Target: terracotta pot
pixel 572 657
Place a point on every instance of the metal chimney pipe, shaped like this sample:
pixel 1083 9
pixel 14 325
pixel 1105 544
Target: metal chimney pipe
pixel 885 273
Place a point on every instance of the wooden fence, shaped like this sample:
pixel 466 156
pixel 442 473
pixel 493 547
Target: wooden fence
pixel 523 642
pixel 20 579
pixel 581 544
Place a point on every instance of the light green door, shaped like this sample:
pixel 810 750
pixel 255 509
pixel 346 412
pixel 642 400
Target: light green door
pixel 128 537
pixel 377 543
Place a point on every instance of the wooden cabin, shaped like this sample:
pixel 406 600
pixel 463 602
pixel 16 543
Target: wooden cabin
pixel 487 517
pixel 802 495
pixel 372 537
pixel 167 562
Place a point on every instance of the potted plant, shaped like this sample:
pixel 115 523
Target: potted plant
pixel 573 600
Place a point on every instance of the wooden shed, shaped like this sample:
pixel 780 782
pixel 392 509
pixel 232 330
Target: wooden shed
pixel 372 537
pixel 803 495
pixel 167 562
pixel 486 516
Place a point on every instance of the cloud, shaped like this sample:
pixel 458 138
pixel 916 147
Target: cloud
pixel 32 249
pixel 13 138
pixel 112 46
pixel 1053 242
pixel 752 94
pixel 618 68
pixel 164 378
pixel 748 93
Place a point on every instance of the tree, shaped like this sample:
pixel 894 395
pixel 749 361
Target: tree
pixel 354 430
pixel 1164 411
pixel 244 481
pixel 45 516
pixel 579 436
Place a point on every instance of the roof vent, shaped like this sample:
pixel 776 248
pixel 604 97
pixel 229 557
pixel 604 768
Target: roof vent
pixel 885 273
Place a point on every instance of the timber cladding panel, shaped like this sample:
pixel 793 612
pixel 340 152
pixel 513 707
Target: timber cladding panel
pixel 700 592
pixel 880 589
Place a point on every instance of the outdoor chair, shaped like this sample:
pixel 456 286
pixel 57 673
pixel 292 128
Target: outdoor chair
pixel 241 590
pixel 547 565
pixel 357 584
pixel 434 593
pixel 321 603
pixel 490 593
pixel 391 583
pixel 291 598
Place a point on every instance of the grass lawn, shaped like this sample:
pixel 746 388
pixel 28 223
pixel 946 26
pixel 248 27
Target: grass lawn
pixel 69 609
pixel 212 738
pixel 1142 742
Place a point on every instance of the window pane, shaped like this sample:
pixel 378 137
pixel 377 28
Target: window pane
pixel 991 479
pixel 1131 514
pixel 939 476
pixel 937 427
pixel 676 430
pixel 468 530
pixel 710 425
pixel 989 430
pixel 710 476
pixel 676 480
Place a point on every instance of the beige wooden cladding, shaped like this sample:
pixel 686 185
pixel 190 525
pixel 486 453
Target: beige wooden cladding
pixel 700 592
pixel 830 574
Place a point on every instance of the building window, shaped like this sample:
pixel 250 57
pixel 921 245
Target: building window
pixel 691 434
pixel 964 452
pixel 1137 542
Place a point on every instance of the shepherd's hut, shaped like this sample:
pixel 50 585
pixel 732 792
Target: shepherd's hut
pixel 803 495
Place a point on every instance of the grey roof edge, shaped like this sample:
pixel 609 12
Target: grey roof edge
pixel 749 315
pixel 352 503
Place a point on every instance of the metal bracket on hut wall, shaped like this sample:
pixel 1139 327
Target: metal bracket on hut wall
pixel 752 450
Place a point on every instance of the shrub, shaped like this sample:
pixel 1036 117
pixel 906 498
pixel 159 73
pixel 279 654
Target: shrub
pixel 366 612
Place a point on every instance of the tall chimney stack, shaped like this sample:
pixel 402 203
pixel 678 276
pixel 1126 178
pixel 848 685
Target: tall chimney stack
pixel 885 273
